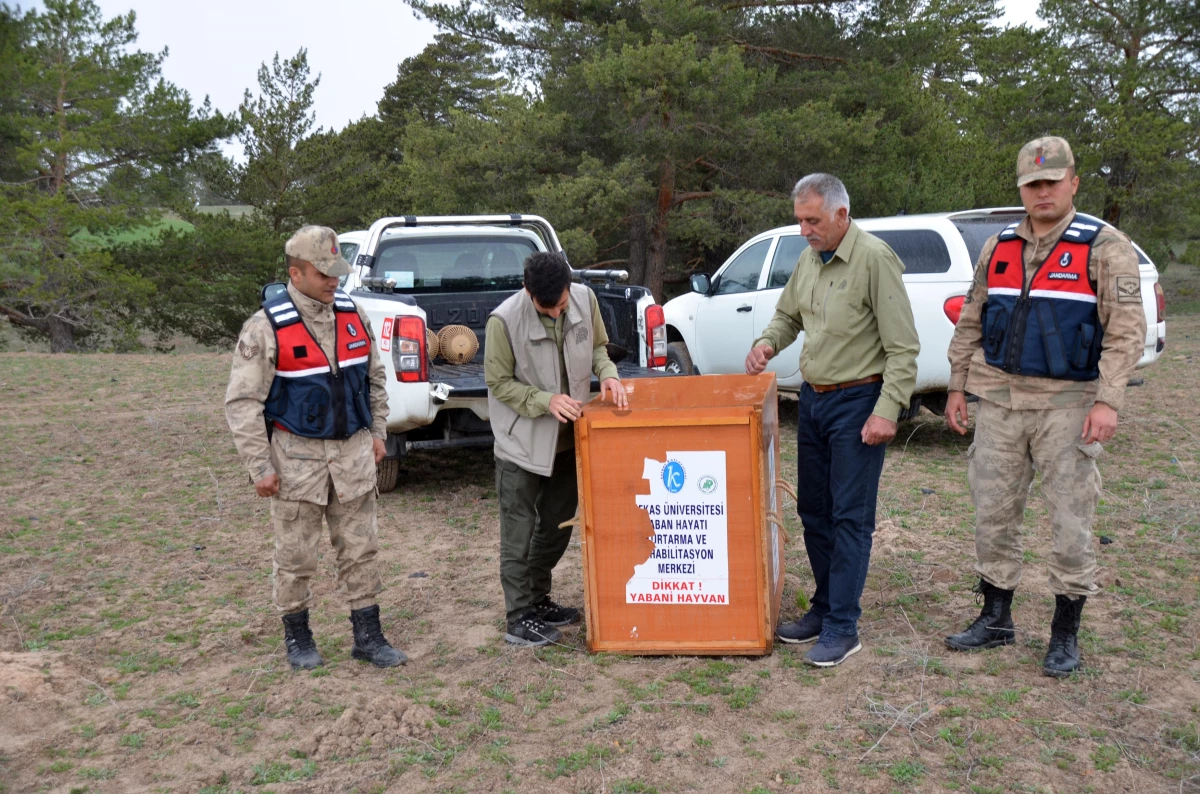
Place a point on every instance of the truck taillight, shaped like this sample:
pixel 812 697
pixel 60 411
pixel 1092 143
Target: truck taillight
pixel 953 307
pixel 1160 301
pixel 408 350
pixel 656 337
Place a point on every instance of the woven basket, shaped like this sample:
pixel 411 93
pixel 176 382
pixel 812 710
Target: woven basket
pixel 457 344
pixel 431 344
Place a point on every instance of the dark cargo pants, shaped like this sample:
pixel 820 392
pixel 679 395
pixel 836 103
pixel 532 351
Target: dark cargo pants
pixel 531 544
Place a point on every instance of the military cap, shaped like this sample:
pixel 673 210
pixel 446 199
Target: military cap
pixel 319 245
pixel 1044 158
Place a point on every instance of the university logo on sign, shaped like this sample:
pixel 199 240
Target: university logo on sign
pixel 673 476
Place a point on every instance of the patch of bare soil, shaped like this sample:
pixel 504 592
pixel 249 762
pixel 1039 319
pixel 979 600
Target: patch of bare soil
pixel 139 651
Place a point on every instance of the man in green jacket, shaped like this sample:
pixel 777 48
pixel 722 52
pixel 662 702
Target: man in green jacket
pixel 859 363
pixel 542 346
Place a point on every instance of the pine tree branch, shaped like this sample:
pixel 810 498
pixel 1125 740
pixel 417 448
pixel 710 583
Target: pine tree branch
pixel 1110 11
pixel 680 198
pixel 786 55
pixel 779 3
pixel 18 318
pixel 1165 48
pixel 101 164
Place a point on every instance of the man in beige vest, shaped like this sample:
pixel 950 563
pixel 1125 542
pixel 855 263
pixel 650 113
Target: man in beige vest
pixel 542 346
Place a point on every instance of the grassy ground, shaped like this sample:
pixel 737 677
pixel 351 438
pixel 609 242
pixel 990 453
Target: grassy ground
pixel 139 651
pixel 1181 283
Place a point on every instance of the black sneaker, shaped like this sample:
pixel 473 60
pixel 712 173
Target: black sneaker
pixel 806 629
pixel 553 614
pixel 832 650
pixel 531 630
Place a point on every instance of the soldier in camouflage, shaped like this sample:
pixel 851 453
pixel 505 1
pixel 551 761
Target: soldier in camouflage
pixel 308 409
pixel 1049 334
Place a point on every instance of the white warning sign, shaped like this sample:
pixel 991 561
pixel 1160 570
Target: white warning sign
pixel 688 511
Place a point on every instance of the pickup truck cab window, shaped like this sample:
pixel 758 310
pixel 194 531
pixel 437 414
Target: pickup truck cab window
pixel 921 250
pixel 461 264
pixel 787 254
pixel 742 273
pixel 349 251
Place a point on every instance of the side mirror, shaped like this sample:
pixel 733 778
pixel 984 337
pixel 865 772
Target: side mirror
pixel 701 283
pixel 272 290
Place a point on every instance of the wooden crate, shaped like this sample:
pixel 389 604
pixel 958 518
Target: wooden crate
pixel 691 459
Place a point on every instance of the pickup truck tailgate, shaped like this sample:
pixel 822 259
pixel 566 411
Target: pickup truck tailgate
pixel 467 379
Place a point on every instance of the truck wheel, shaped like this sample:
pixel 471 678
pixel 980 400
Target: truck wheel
pixel 386 474
pixel 935 401
pixel 912 410
pixel 679 361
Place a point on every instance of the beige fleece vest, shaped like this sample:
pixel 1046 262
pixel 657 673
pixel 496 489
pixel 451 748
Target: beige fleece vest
pixel 530 443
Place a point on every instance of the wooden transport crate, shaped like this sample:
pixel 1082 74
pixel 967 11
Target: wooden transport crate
pixel 682 543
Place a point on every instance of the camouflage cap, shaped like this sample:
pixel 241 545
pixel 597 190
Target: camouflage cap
pixel 319 245
pixel 1044 158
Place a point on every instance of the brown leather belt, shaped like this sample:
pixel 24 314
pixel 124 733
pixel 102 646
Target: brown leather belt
pixel 825 388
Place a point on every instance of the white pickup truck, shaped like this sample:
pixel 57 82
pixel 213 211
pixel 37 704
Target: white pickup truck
pixel 416 273
pixel 710 329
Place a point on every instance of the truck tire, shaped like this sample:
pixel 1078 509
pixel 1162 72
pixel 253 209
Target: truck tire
pixel 679 361
pixel 914 408
pixel 386 474
pixel 935 402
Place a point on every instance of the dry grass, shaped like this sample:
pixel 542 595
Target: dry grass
pixel 139 651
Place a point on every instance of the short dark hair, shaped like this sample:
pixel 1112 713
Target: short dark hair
pixel 546 276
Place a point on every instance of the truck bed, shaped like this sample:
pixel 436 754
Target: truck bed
pixel 467 379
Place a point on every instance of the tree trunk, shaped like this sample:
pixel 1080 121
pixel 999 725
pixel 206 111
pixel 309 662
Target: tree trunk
pixel 656 254
pixel 637 250
pixel 1112 210
pixel 62 336
pixel 1114 181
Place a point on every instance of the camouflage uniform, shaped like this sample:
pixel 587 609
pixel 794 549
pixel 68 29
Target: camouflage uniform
pixel 1026 422
pixel 317 477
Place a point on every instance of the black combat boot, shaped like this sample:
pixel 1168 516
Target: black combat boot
pixel 1062 657
pixel 369 643
pixel 301 650
pixel 993 627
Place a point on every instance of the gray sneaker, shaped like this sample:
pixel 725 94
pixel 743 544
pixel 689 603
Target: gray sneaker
pixel 530 630
pixel 806 629
pixel 832 649
pixel 553 614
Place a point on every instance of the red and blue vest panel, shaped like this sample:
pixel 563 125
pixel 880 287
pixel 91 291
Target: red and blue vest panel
pixel 307 397
pixel 1048 327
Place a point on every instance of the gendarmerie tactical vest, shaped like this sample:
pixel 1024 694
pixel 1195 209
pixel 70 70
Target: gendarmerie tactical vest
pixel 307 397
pixel 1047 327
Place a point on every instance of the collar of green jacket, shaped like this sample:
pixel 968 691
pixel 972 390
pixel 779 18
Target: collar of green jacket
pixel 846 246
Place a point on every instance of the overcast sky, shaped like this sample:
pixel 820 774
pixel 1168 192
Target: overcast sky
pixel 216 46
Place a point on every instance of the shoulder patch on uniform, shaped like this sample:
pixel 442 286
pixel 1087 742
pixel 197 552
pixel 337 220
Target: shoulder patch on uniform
pixel 1081 231
pixel 247 351
pixel 1009 233
pixel 1129 289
